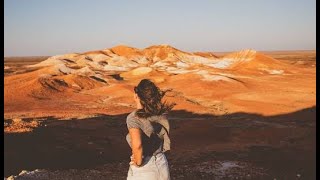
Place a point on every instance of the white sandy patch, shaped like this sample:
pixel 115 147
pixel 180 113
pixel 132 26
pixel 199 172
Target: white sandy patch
pixel 181 64
pixel 242 56
pixel 156 59
pixel 141 60
pixel 216 63
pixel 99 76
pixel 202 72
pixel 98 57
pixel 75 85
pixel 114 68
pixel 84 71
pixel 197 59
pixel 276 72
pixel 95 65
pixel 48 62
pixel 160 64
pixel 131 65
pixel 221 64
pixel 181 71
pixel 62 68
pixel 209 77
pixel 174 70
pixel 230 75
pixel 273 71
pixel 117 60
pixel 141 71
pixel 54 60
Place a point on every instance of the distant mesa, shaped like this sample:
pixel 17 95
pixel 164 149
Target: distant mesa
pixel 84 71
pixel 102 81
pixel 124 58
pixel 132 62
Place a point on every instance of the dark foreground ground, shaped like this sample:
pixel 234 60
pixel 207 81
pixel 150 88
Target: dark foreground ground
pixel 234 146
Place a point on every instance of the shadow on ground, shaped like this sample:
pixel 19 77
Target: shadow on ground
pixel 282 145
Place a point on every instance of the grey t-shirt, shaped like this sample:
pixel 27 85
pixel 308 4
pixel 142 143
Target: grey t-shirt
pixel 145 124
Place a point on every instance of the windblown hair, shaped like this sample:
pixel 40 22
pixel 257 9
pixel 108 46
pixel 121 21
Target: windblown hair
pixel 151 99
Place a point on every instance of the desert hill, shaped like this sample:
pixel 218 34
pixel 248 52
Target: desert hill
pixel 101 81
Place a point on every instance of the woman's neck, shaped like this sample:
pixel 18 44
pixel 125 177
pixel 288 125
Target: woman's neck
pixel 139 106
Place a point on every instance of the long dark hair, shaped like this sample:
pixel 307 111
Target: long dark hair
pixel 151 99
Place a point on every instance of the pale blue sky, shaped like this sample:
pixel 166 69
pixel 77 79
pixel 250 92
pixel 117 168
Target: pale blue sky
pixel 39 27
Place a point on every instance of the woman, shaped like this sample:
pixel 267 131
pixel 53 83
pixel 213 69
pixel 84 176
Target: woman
pixel 148 134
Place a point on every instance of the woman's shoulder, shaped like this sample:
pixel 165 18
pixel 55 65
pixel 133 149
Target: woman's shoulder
pixel 132 120
pixel 133 115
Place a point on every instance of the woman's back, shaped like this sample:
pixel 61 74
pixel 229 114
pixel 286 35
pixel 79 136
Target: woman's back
pixel 155 131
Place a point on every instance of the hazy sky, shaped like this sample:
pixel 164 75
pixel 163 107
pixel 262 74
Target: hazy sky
pixel 39 27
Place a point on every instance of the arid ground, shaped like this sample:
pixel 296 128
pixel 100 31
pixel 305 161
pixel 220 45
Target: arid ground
pixel 239 115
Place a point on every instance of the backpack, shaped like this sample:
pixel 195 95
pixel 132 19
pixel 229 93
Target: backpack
pixel 152 143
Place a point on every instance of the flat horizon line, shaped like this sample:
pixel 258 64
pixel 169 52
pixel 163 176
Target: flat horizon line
pixel 219 52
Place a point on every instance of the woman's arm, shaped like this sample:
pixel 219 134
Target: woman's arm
pixel 136 145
